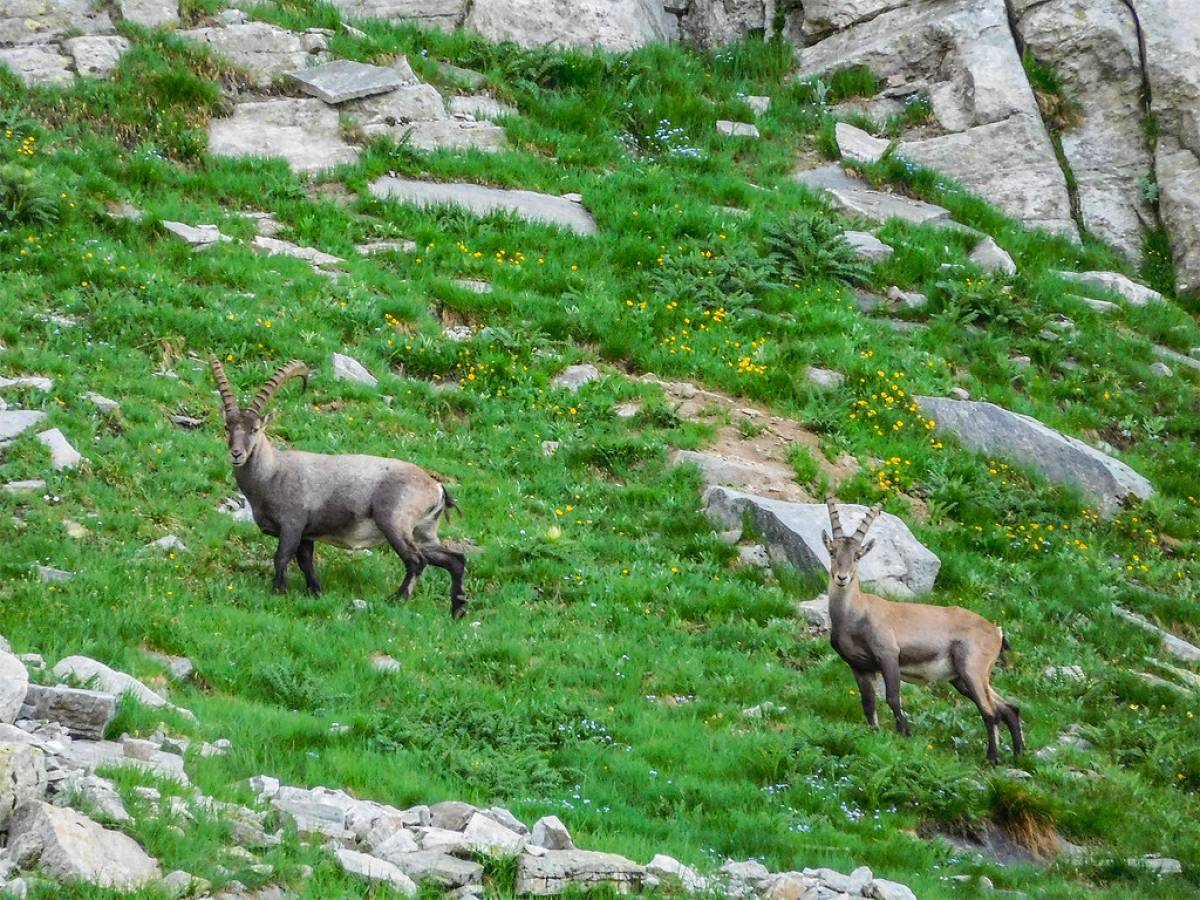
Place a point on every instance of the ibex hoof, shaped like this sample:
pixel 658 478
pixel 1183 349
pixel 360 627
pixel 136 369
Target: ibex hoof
pixel 458 607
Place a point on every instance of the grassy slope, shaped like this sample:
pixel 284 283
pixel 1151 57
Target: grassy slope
pixel 540 698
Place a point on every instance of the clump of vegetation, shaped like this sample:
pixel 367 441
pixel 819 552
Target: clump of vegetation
pixel 26 200
pixel 807 247
pixel 1060 111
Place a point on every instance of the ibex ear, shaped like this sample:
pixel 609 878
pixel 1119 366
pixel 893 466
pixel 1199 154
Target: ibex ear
pixel 864 549
pixel 828 542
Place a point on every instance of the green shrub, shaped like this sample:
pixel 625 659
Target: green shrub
pixel 804 247
pixel 25 199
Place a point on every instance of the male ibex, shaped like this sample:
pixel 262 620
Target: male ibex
pixel 348 501
pixel 913 642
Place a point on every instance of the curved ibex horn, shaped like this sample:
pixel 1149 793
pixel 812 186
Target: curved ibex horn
pixel 833 517
pixel 290 370
pixel 228 398
pixel 866 523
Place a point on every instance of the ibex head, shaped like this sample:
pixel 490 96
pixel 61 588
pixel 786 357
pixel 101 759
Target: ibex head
pixel 845 552
pixel 245 427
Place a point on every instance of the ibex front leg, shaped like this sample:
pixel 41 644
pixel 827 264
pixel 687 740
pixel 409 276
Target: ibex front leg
pixel 289 544
pixel 890 666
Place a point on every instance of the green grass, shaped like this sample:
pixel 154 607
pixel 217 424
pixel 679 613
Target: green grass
pixel 599 589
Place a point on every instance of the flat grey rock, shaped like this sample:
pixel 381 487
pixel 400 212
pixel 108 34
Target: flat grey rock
pixel 760 477
pixel 1114 282
pixel 347 368
pixel 277 247
pixel 345 79
pixel 14 682
pixel 868 247
pixel 371 869
pixel 150 13
pixel 434 866
pixel 266 50
pixel 62 455
pixel 987 428
pixel 38 65
pixel 857 145
pixel 824 378
pixel 478 106
pixel 28 486
pixel 102 403
pixel 992 258
pixel 557 870
pixel 855 197
pixel 196 235
pixel 304 132
pixel 1166 353
pixel 737 129
pixel 486 200
pixel 17 421
pixel 37 382
pixel 51 575
pixel 900 565
pixel 572 378
pixel 447 14
pixel 1176 646
pixel 96 55
pixel 85 670
pixel 44 21
pixel 83 713
pixel 452 134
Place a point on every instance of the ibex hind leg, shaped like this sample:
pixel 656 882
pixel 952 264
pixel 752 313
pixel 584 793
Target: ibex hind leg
pixel 1011 715
pixel 304 556
pixel 454 562
pixel 406 549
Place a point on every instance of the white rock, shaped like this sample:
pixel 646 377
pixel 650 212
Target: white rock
pixel 858 146
pixel 1063 673
pixel 991 257
pixel 346 368
pixel 816 613
pixel 51 575
pixel 1161 369
pixel 97 675
pixel 372 869
pixel 196 235
pixel 345 79
pixel 959 393
pixel 29 486
pixel 150 13
pixel 96 55
pixel 169 543
pixel 506 818
pixel 760 105
pixel 102 403
pixel 14 682
pixel 882 889
pixel 868 247
pixel 267 51
pixel 37 64
pixel 611 25
pixel 1116 283
pixel 67 845
pixel 669 869
pixel 855 197
pixel 557 870
pixel 304 132
pixel 14 422
pixel 381 662
pixel 572 378
pixel 737 129
pixel 549 832
pixel 488 836
pixel 22 777
pixel 1176 646
pixel 37 382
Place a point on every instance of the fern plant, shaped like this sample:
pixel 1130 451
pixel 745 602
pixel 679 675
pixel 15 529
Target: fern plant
pixel 24 199
pixel 807 247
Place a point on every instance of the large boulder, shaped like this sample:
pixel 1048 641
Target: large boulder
pixel 96 674
pixel 1092 45
pixel 900 565
pixel 708 24
pixel 557 870
pixel 22 777
pixel 1171 34
pixel 962 53
pixel 14 682
pixel 988 428
pixel 609 24
pixel 83 713
pixel 68 845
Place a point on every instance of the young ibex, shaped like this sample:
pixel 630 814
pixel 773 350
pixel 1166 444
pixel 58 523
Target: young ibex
pixel 913 642
pixel 348 501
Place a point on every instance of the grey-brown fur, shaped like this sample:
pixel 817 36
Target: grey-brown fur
pixel 914 642
pixel 349 501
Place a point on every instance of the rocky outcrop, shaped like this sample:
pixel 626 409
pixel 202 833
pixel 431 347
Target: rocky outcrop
pixel 14 682
pixel 1092 45
pixel 987 428
pixel 962 54
pixel 1170 31
pixel 22 777
pixel 900 565
pixel 610 24
pixel 306 133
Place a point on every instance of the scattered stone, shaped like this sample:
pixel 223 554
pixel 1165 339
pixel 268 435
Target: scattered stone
pixel 264 786
pixel 762 710
pixel 14 682
pixel 14 422
pixel 763 477
pixel 484 201
pixel 506 818
pixel 346 368
pixel 991 257
pixel 1114 282
pixel 549 832
pixel 627 410
pixel 668 869
pixel 439 868
pixel 99 795
pixel 96 674
pixel 486 835
pixel 737 129
pixel 1063 673
pixel 1161 369
pixel 858 146
pixel 907 299
pixel 95 56
pixel 1175 646
pixel 899 565
pixel 855 197
pixel 372 869
pixel 51 575
pixel 32 660
pixel 459 76
pixel 868 247
pixel 359 605
pixel 103 404
pixel 479 106
pixel 197 235
pixel 756 556
pixel 612 25
pixel 1159 865
pixel 760 105
pixel 882 889
pixel 558 870
pixel 958 393
pixel 381 662
pixel 1163 352
pixel 276 247
pixel 168 544
pixel 37 382
pixel 37 65
pixel 62 455
pixel 265 50
pixel 572 378
pixel 182 884
pixel 344 79
pixel 372 247
pixel 83 713
pixel 987 428
pixel 816 613
pixel 304 132
pixel 549 448
pixel 123 211
pixel 30 486
pixel 473 285
pixel 68 845
pixel 150 13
